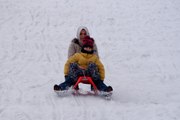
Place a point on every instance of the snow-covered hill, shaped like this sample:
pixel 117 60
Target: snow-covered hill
pixel 138 42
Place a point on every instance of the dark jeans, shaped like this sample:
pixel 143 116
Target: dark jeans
pixel 75 72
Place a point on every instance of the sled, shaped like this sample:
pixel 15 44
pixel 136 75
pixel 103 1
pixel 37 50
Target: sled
pixel 86 80
pixel 75 90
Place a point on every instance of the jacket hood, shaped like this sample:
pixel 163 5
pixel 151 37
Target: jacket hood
pixel 79 30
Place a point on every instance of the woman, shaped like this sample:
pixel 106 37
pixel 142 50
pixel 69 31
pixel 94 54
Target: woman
pixel 76 43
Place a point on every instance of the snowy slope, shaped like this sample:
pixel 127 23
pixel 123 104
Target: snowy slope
pixel 138 42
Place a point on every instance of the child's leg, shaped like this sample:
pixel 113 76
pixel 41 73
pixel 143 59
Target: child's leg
pixel 92 71
pixel 71 78
pixel 100 85
pixel 67 83
pixel 75 71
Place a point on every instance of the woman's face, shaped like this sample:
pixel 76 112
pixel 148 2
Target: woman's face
pixel 82 34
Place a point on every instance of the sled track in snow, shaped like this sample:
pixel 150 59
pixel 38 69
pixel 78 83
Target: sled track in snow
pixel 21 116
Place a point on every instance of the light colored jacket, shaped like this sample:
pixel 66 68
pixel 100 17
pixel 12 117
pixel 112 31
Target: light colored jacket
pixel 76 44
pixel 83 59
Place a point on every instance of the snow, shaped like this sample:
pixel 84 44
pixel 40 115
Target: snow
pixel 138 43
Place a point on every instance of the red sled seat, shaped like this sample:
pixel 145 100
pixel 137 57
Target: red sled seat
pixel 86 80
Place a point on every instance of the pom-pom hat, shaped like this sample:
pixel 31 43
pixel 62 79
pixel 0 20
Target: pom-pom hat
pixel 88 42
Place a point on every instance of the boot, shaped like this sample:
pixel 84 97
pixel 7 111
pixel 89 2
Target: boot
pixel 108 89
pixel 57 87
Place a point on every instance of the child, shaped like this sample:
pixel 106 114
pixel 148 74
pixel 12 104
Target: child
pixel 84 64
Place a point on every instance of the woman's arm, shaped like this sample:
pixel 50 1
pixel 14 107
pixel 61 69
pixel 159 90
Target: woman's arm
pixel 71 50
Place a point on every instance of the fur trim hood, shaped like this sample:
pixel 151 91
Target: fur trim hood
pixel 79 30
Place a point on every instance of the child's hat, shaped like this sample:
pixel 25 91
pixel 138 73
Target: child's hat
pixel 88 42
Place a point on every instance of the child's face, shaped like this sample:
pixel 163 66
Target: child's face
pixel 88 49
